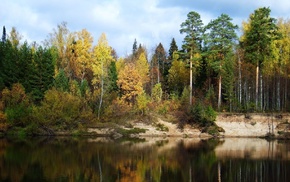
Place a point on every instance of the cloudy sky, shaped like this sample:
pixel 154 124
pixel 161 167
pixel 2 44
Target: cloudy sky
pixel 149 21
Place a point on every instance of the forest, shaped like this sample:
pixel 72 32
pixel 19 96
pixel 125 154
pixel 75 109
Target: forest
pixel 67 82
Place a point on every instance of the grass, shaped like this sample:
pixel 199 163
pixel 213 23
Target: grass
pixel 129 132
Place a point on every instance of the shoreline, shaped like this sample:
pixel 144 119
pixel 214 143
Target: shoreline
pixel 234 125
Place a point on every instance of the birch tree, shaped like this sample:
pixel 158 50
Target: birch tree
pixel 100 65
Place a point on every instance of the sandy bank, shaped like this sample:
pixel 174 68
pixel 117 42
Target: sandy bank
pixel 234 125
pixel 253 125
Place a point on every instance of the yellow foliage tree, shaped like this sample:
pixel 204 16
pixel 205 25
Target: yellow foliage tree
pixel 102 59
pixel 178 75
pixel 130 83
pixel 83 52
pixel 142 67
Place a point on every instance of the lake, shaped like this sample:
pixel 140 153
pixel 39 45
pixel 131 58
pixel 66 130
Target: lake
pixel 147 159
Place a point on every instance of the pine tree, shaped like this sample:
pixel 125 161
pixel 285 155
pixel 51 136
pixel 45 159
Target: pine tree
pixel 257 42
pixel 172 49
pixel 158 65
pixel 4 34
pixel 220 39
pixel 193 28
pixel 134 49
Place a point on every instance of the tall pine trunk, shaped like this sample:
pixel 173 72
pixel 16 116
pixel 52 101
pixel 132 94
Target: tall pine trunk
pixel 240 81
pixel 257 86
pixel 220 92
pixel 190 84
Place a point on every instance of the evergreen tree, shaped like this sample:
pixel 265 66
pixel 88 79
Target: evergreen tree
pixel 261 32
pixel 134 49
pixel 158 65
pixel 4 34
pixel 112 77
pixel 61 81
pixel 220 39
pixel 9 64
pixel 193 28
pixel 172 49
pixel 41 77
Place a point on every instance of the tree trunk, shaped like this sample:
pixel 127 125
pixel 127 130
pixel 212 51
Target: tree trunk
pixel 220 92
pixel 261 92
pixel 286 90
pixel 240 81
pixel 278 105
pixel 190 84
pixel 102 91
pixel 257 85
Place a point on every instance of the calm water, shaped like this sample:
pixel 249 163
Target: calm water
pixel 151 159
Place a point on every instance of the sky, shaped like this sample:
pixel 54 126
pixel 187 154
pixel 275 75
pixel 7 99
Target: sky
pixel 150 22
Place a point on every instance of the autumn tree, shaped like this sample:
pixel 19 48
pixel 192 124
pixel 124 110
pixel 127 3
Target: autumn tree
pixel 142 67
pixel 130 83
pixel 178 75
pixel 282 64
pixel 82 49
pixel 15 37
pixel 60 38
pixel 100 65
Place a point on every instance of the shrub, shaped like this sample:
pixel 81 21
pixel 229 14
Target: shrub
pixel 16 105
pixel 61 111
pixel 142 101
pixel 202 114
pixel 157 93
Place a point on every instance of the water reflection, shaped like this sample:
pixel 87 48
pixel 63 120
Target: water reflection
pixel 149 159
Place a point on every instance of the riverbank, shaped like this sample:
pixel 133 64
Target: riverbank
pixel 254 125
pixel 233 125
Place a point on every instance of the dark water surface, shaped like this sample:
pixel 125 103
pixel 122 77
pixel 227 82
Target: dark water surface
pixel 150 159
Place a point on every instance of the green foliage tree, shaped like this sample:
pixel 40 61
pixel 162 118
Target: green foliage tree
pixel 134 49
pixel 112 77
pixel 258 37
pixel 4 34
pixel 61 81
pixel 172 49
pixel 41 76
pixel 178 75
pixel 220 39
pixel 193 28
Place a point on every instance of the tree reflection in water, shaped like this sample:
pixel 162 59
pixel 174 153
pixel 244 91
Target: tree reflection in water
pixel 152 159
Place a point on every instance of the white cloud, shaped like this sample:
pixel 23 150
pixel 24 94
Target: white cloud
pixel 150 21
